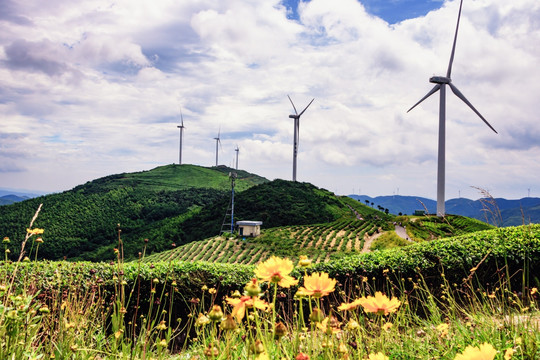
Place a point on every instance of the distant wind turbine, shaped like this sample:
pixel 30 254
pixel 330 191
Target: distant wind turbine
pixel 441 82
pixel 237 151
pixel 218 142
pixel 181 127
pixel 296 118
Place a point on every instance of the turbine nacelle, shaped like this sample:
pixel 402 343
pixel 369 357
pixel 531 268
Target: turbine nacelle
pixel 440 80
pixel 294 117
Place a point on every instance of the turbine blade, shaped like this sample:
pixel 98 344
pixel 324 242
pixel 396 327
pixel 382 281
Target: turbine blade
pixel 464 99
pixel 181 117
pixel 448 73
pixel 434 90
pixel 294 107
pixel 306 107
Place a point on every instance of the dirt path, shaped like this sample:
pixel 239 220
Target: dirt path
pixel 368 240
pixel 402 232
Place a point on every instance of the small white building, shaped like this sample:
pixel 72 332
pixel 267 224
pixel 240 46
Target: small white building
pixel 249 228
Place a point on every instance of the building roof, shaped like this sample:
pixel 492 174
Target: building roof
pixel 249 223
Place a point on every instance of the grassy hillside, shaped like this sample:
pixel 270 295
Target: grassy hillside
pixel 82 223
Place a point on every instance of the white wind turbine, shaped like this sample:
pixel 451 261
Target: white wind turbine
pixel 181 127
pixel 296 118
pixel 237 151
pixel 218 142
pixel 441 82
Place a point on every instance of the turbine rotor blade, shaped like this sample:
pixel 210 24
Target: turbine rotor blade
pixel 464 99
pixel 434 90
pixel 454 45
pixel 294 107
pixel 306 107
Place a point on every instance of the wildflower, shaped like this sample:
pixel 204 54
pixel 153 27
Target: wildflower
pixel 342 348
pixel 162 343
pixel 534 290
pixel 39 240
pixel 212 291
pixel 483 352
pixel 162 325
pixel 508 353
pixel 236 294
pixel 302 356
pixel 115 250
pixel 228 323
pixel 352 325
pixel 387 326
pixel 348 306
pixel 216 314
pixel 304 261
pixel 276 270
pixel 378 356
pixel 379 304
pixel 318 285
pixel 240 305
pixel 34 231
pixel 252 288
pixel 202 320
pixel 442 329
pixel 316 315
pixel 329 325
pixel 6 240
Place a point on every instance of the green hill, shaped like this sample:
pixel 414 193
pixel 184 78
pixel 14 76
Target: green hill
pixel 82 223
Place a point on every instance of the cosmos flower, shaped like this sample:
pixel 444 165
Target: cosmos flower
pixel 276 271
pixel 379 304
pixel 240 305
pixel 35 231
pixel 318 285
pixel 483 352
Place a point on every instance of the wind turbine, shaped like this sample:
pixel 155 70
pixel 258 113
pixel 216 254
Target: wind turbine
pixel 296 118
pixel 181 127
pixel 237 151
pixel 441 82
pixel 218 141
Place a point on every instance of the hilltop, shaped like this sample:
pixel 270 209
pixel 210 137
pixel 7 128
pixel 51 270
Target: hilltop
pixel 82 223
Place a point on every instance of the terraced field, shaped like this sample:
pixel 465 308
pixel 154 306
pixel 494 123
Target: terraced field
pixel 320 242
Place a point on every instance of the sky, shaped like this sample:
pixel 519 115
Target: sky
pixel 93 88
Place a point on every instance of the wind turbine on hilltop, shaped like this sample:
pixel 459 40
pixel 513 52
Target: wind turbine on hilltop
pixel 441 82
pixel 296 118
pixel 181 127
pixel 237 151
pixel 218 142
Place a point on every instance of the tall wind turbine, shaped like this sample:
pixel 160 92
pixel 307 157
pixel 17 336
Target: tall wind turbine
pixel 296 118
pixel 181 127
pixel 441 82
pixel 218 142
pixel 237 151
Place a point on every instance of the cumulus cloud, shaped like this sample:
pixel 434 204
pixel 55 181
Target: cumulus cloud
pixel 98 87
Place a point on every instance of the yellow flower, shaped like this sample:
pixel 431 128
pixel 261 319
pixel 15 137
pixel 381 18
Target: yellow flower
pixel 442 329
pixel 508 354
pixel 304 261
pixel 318 285
pixel 378 356
pixel 329 325
pixel 379 304
pixel 348 306
pixel 35 231
pixel 534 290
pixel 387 326
pixel 240 305
pixel 202 320
pixel 276 270
pixel 483 352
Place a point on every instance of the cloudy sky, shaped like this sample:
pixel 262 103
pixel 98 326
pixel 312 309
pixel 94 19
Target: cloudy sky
pixel 92 88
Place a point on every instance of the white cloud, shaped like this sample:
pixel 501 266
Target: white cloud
pixel 97 87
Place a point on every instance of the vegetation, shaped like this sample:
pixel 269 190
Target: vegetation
pixel 476 290
pixel 81 223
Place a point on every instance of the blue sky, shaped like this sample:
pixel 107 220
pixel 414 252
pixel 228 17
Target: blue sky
pixel 392 11
pixel 93 88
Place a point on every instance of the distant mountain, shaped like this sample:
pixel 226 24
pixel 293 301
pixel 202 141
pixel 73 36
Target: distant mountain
pixel 10 199
pixel 512 212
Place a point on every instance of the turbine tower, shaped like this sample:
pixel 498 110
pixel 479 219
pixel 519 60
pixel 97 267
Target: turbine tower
pixel 296 118
pixel 441 82
pixel 237 151
pixel 181 127
pixel 218 142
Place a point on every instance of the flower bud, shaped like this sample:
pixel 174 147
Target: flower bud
pixel 316 315
pixel 252 288
pixel 215 314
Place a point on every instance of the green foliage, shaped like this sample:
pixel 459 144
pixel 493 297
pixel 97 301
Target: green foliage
pixel 81 224
pixel 388 240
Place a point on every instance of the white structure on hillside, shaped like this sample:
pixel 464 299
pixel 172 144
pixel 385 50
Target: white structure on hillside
pixel 249 228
